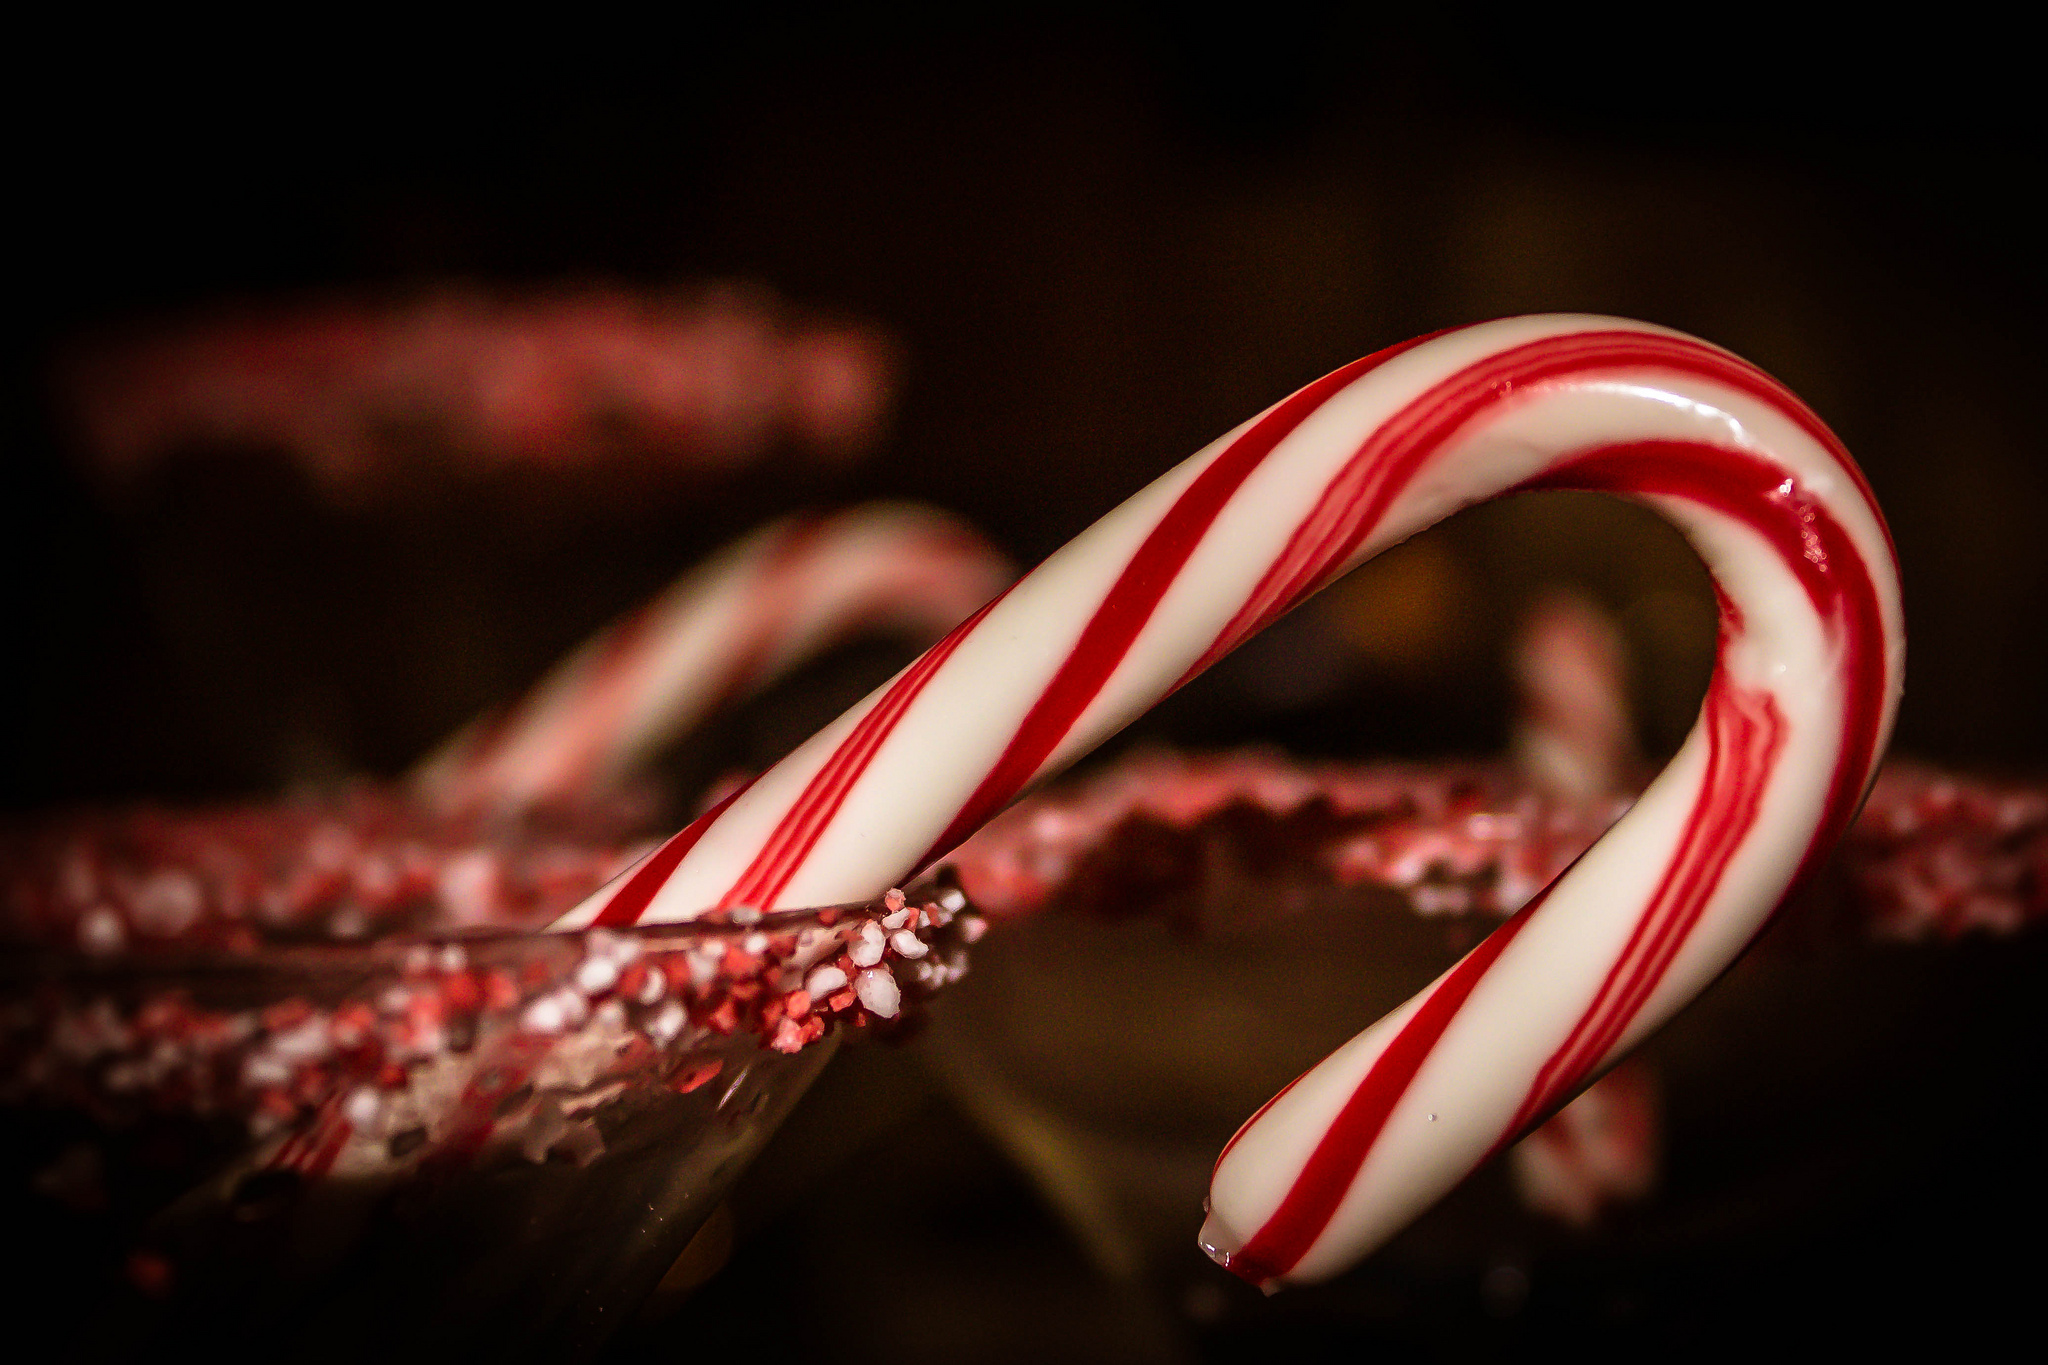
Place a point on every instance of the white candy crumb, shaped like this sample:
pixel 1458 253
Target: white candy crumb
pixel 879 992
pixel 745 914
pixel 972 927
pixel 666 1023
pixel 908 944
pixel 167 904
pixel 653 985
pixel 362 1107
pixel 823 981
pixel 1433 899
pixel 347 921
pixel 544 1015
pixel 261 1069
pixel 595 975
pixel 468 887
pixel 896 921
pixel 953 900
pixel 866 950
pixel 101 931
pixel 309 1040
pixel 575 1009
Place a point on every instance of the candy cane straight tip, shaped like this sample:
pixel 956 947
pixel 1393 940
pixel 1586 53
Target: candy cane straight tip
pixel 1810 655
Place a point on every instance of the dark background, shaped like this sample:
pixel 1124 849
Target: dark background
pixel 1097 245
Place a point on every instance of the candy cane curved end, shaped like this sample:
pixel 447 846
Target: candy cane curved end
pixel 1810 657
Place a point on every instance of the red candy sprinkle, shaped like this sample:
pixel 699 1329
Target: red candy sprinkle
pixel 693 1075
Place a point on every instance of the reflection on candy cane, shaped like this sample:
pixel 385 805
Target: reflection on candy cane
pixel 1810 656
pixel 757 609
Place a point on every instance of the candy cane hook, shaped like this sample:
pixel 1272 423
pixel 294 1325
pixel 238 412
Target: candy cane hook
pixel 1810 656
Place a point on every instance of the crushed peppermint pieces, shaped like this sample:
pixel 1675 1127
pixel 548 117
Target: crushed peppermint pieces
pixel 1451 838
pixel 1933 856
pixel 513 1041
pixel 360 863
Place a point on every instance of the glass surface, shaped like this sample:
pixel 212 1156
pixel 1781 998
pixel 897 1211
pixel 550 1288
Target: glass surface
pixel 421 1144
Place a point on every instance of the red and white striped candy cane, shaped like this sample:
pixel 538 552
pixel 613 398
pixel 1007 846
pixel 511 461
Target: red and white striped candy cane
pixel 1810 655
pixel 760 607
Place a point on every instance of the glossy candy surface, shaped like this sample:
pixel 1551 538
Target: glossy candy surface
pixel 1810 658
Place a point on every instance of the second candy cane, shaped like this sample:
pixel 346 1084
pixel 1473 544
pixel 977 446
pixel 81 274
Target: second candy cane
pixel 1810 659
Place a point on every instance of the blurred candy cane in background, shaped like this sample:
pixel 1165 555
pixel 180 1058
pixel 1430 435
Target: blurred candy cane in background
pixel 1574 737
pixel 1574 740
pixel 359 394
pixel 725 629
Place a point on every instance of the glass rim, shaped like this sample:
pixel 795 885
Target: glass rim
pixel 30 964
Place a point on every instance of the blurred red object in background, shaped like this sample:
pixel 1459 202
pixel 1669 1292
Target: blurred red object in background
pixel 364 396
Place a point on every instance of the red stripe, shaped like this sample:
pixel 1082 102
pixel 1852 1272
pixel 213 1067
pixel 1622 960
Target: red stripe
pixel 1821 555
pixel 1131 600
pixel 1312 1200
pixel 1355 502
pixel 805 822
pixel 1816 548
pixel 1754 735
pixel 334 1134
pixel 313 1149
pixel 1387 461
pixel 1742 757
pixel 1352 505
pixel 630 901
pixel 1701 854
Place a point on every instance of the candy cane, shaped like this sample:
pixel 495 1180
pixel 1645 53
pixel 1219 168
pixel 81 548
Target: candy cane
pixel 1810 654
pixel 1573 736
pixel 757 609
